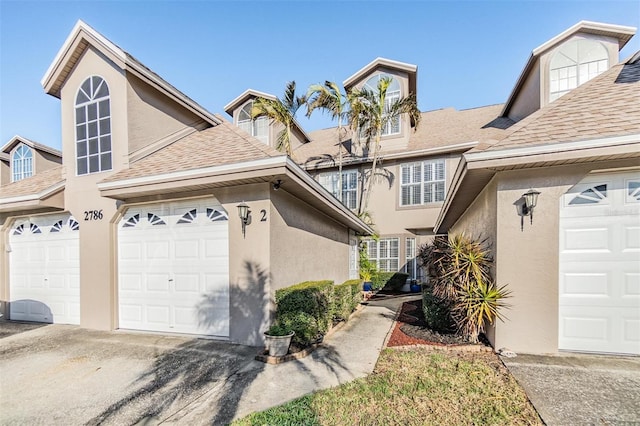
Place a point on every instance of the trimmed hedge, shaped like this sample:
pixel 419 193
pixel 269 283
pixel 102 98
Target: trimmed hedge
pixel 309 308
pixel 391 280
pixel 347 297
pixel 312 299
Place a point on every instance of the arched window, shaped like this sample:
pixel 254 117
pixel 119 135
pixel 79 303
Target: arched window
pixel 575 63
pixel 393 94
pixel 93 127
pixel 258 127
pixel 22 163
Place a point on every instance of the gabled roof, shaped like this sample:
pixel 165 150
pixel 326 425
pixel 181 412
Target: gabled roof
pixel 362 73
pixel 35 145
pixel 598 121
pixel 4 157
pixel 252 94
pixel 620 32
pixel 81 37
pixel 32 192
pixel 440 131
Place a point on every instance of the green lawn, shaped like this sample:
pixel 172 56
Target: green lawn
pixel 414 387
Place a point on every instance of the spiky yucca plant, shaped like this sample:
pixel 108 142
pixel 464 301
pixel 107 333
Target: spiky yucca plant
pixel 459 270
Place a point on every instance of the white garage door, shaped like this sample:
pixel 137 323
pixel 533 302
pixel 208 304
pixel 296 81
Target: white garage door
pixel 173 261
pixel 44 270
pixel 600 265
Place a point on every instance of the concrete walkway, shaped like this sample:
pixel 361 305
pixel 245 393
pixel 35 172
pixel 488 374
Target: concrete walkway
pixel 577 389
pixel 348 354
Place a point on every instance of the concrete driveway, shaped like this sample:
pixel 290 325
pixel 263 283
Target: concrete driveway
pixel 66 375
pixel 576 389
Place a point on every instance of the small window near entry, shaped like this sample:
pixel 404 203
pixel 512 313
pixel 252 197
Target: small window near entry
pixel 385 253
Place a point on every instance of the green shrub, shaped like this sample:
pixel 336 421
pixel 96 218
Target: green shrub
pixel 390 280
pixel 311 297
pixel 437 312
pixel 278 329
pixel 303 324
pixel 347 297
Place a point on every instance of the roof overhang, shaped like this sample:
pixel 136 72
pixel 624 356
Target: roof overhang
pixel 620 32
pixel 378 63
pixel 294 180
pixel 476 169
pixel 81 37
pixel 4 157
pixel 43 199
pixel 35 145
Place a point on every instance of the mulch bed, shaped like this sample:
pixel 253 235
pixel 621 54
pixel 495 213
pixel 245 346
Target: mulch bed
pixel 411 330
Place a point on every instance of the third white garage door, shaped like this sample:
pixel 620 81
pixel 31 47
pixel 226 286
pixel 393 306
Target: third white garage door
pixel 600 265
pixel 173 261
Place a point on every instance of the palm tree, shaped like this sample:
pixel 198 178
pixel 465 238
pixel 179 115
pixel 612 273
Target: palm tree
pixel 370 113
pixel 281 111
pixel 330 98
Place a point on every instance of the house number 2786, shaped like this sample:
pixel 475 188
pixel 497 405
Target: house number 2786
pixel 93 215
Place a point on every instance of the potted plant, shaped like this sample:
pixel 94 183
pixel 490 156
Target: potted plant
pixel 366 275
pixel 277 340
pixel 415 287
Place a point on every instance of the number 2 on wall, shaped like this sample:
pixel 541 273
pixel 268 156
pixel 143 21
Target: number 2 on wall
pixel 93 215
pixel 263 217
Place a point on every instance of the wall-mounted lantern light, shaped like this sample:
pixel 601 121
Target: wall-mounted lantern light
pixel 243 213
pixel 530 202
pixel 277 184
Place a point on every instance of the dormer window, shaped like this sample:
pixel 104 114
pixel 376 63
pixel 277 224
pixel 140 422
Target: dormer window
pixel 22 163
pixel 393 95
pixel 257 127
pixel 575 63
pixel 93 127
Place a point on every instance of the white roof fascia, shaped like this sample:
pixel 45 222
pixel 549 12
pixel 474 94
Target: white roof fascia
pixel 187 174
pixel 583 25
pixel 550 148
pixel 326 196
pixel 379 62
pixel 139 69
pixel 35 145
pixel 81 25
pixel 32 197
pixel 246 94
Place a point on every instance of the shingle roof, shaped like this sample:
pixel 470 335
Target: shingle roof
pixel 34 184
pixel 439 128
pixel 215 146
pixel 607 105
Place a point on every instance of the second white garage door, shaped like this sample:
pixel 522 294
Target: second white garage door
pixel 173 261
pixel 600 265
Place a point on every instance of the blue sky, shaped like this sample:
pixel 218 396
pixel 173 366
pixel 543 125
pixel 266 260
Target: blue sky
pixel 468 53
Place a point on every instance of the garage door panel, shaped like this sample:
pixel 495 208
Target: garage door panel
pixel 175 268
pixel 599 267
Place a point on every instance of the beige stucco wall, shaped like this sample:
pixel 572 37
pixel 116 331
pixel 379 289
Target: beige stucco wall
pixel 45 161
pixel 305 244
pixel 152 116
pixel 527 259
pixel 97 276
pixel 5 172
pixel 528 100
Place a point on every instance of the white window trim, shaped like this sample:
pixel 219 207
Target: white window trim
pixel 340 195
pixel 31 162
pixel 75 125
pixel 377 259
pixel 266 138
pixel 409 249
pixel 422 182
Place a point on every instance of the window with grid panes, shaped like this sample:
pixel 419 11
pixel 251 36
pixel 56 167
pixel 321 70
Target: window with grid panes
pixel 392 127
pixel 93 127
pixel 575 63
pixel 349 193
pixel 21 163
pixel 410 266
pixel 385 253
pixel 257 127
pixel 422 182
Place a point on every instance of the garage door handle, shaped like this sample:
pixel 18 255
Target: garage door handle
pixel 170 280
